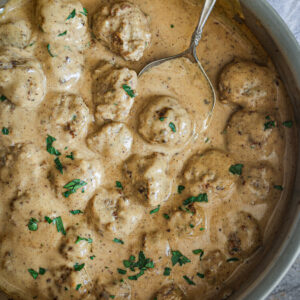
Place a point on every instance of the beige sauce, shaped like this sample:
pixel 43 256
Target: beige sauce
pixel 138 173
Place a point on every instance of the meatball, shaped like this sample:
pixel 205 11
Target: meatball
pixel 170 292
pixel 164 121
pixel 210 172
pixel 16 34
pixel 22 80
pixel 248 85
pixel 66 116
pixel 63 21
pixel 112 140
pixel 111 211
pixel 252 135
pixel 65 65
pixel 110 96
pixel 243 234
pixel 123 28
pixel 78 182
pixel 148 176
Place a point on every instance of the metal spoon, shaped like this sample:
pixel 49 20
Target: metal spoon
pixel 190 53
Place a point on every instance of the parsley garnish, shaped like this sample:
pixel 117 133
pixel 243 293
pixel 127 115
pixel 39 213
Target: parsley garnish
pixel 180 188
pixel 33 273
pixel 71 15
pixel 192 225
pixel 63 33
pixel 167 271
pixel 188 280
pixel 42 271
pixel 172 26
pixel 202 228
pixel 119 185
pixel 155 210
pixel 192 199
pixel 112 296
pixel 206 140
pixel 49 51
pixel 199 251
pixel 84 12
pixel 288 124
pixel 236 169
pixel 5 131
pixel 200 275
pixel 269 124
pixel 47 219
pixel 178 257
pixel 78 286
pixel 59 165
pixel 166 216
pixel 2 98
pixel 92 257
pixel 121 271
pixel 49 141
pixel 278 187
pixel 118 241
pixel 78 267
pixel 161 118
pixel 172 126
pixel 71 156
pixel 76 212
pixel 79 238
pixel 59 225
pixel 232 259
pixel 73 186
pixel 128 90
pixel 33 224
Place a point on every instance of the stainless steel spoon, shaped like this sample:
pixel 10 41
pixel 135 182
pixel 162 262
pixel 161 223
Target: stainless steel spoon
pixel 190 53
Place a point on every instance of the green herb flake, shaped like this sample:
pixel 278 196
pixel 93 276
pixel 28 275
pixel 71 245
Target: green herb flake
pixel 2 98
pixel 162 119
pixel 172 126
pixel 172 26
pixel 73 186
pixel 71 156
pixel 79 239
pixel 199 251
pixel 31 44
pixel 48 220
pixel 202 228
pixel 206 140
pixel 59 165
pixel 166 216
pixel 192 225
pixel 288 124
pixel 180 189
pixel 121 271
pixel 269 125
pixel 135 277
pixel 112 296
pixel 200 275
pixel 5 131
pixel 119 185
pixel 128 90
pixel 84 12
pixel 59 225
pixel 49 141
pixel 167 271
pixel 155 210
pixel 71 15
pixel 278 187
pixel 78 267
pixel 42 271
pixel 76 212
pixel 63 33
pixel 236 169
pixel 188 280
pixel 192 199
pixel 33 273
pixel 33 224
pixel 232 259
pixel 78 286
pixel 178 257
pixel 118 241
pixel 49 51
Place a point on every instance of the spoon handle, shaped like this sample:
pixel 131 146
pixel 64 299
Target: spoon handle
pixel 207 8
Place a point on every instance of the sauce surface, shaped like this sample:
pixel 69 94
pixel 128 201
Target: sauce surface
pixel 119 187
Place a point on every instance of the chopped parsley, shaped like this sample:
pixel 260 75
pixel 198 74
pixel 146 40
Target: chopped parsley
pixel 188 280
pixel 180 188
pixel 172 126
pixel 161 118
pixel 42 271
pixel 192 199
pixel 199 251
pixel 59 225
pixel 128 90
pixel 269 124
pixel 232 259
pixel 49 141
pixel 59 165
pixel 71 15
pixel 33 224
pixel 119 185
pixel 121 271
pixel 278 187
pixel 118 241
pixel 192 225
pixel 236 169
pixel 155 210
pixel 2 98
pixel 84 12
pixel 178 257
pixel 202 228
pixel 166 216
pixel 79 239
pixel 200 275
pixel 47 219
pixel 78 286
pixel 167 271
pixel 71 156
pixel 92 257
pixel 78 267
pixel 112 296
pixel 76 212
pixel 288 124
pixel 33 273
pixel 206 140
pixel 5 131
pixel 63 33
pixel 49 51
pixel 73 186
pixel 172 26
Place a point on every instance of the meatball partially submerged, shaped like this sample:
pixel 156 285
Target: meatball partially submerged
pixel 248 85
pixel 124 28
pixel 164 121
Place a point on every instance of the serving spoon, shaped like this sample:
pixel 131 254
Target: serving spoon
pixel 191 53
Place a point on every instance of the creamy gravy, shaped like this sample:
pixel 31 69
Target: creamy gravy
pixel 199 207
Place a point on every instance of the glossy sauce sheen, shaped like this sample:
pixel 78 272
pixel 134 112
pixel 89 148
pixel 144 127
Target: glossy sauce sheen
pixel 232 228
